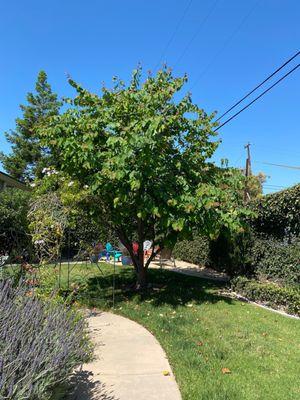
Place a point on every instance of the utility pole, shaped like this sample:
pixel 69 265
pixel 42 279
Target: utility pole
pixel 247 172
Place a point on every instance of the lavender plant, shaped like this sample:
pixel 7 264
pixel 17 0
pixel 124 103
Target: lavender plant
pixel 40 344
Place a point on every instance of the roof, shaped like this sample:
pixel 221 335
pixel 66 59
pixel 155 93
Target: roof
pixel 12 182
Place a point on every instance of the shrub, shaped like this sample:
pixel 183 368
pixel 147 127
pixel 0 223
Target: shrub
pixel 248 253
pixel 287 297
pixel 274 259
pixel 253 254
pixel 194 251
pixel 228 253
pixel 13 221
pixel 278 214
pixel 268 249
pixel 40 343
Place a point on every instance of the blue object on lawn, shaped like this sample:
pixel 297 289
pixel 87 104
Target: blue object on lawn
pixel 126 260
pixel 110 251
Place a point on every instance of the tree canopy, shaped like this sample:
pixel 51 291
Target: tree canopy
pixel 143 152
pixel 28 156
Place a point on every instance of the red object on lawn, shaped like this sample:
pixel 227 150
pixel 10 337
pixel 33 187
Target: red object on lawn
pixel 135 247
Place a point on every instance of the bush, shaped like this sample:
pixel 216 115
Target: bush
pixel 274 259
pixel 13 221
pixel 228 253
pixel 268 249
pixel 287 298
pixel 258 255
pixel 278 214
pixel 40 344
pixel 249 253
pixel 194 251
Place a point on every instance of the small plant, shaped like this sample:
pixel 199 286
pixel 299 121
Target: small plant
pixel 269 293
pixel 41 342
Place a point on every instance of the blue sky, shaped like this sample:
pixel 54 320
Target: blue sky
pixel 225 46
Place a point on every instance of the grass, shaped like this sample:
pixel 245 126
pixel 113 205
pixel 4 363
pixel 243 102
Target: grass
pixel 203 332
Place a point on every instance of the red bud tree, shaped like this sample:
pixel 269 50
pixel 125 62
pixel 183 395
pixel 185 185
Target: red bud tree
pixel 143 152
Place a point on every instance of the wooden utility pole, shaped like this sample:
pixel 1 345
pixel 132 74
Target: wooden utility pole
pixel 248 172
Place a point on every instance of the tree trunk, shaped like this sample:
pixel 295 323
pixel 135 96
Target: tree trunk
pixel 140 266
pixel 141 283
pixel 142 278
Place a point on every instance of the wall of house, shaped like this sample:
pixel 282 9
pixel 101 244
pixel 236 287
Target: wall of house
pixel 8 182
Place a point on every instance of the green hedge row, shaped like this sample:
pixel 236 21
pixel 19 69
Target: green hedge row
pixel 270 248
pixel 195 251
pixel 275 260
pixel 258 255
pixel 286 298
pixel 278 214
pixel 249 254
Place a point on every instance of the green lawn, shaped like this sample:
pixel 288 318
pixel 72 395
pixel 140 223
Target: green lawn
pixel 202 333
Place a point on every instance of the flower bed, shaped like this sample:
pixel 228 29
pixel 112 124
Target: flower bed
pixel 40 343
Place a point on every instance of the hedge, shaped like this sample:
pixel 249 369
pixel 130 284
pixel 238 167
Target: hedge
pixel 274 259
pixel 228 253
pixel 270 294
pixel 195 251
pixel 278 214
pixel 249 254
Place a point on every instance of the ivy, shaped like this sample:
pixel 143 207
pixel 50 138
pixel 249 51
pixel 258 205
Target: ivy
pixel 278 214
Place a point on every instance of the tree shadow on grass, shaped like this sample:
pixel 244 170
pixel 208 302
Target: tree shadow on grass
pixel 167 287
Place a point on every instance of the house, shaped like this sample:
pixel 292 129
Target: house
pixel 7 181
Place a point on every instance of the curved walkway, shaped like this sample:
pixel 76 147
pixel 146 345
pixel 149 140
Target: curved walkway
pixel 129 364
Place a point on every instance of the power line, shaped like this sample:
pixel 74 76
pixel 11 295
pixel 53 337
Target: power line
pixel 174 33
pixel 258 97
pixel 259 85
pixel 238 159
pixel 276 189
pixel 273 190
pixel 196 33
pixel 225 44
pixel 270 184
pixel 274 186
pixel 282 165
pixel 275 149
pixel 280 151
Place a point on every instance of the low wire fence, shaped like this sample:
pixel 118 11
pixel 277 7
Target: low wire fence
pixel 68 276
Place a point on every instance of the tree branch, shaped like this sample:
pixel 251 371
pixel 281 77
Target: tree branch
pixel 153 255
pixel 126 242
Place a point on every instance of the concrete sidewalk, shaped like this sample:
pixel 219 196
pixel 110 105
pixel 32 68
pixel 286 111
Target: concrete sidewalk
pixel 129 364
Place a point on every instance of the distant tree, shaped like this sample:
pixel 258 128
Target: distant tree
pixel 28 156
pixel 255 185
pixel 143 156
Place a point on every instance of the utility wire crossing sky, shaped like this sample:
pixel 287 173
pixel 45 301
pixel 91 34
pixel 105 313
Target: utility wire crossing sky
pixel 225 47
